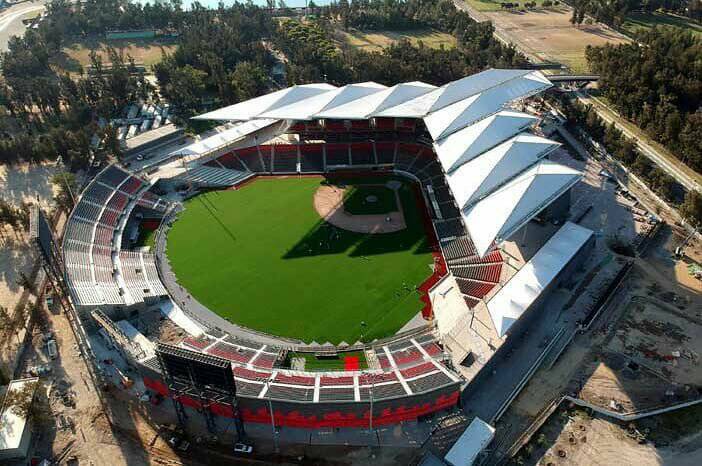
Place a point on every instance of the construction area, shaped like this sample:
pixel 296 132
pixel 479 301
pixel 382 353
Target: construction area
pixel 627 386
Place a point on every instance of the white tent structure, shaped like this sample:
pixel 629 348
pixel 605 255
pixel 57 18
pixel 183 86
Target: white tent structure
pixel 373 105
pixel 471 141
pixel 251 108
pixel 483 175
pixel 518 294
pixel 15 427
pixel 463 89
pixel 499 215
pixel 472 441
pixel 224 138
pixel 307 109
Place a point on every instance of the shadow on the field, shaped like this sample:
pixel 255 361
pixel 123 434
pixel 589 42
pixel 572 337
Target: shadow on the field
pixel 326 239
pixel 211 209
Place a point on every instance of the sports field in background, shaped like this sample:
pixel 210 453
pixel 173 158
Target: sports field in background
pixel 262 257
pixel 375 41
pixel 639 22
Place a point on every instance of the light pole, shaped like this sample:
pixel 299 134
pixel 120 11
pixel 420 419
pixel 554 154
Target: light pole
pixel 370 430
pixel 270 408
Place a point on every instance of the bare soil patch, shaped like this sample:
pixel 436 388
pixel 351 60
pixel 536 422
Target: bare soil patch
pixel 549 35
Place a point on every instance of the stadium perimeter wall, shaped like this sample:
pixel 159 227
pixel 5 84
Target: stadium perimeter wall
pixel 325 415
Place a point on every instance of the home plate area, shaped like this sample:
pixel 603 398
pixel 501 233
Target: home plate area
pixel 361 208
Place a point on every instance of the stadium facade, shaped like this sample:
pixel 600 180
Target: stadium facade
pixel 484 174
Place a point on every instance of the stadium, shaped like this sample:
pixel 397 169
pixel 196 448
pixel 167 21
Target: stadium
pixel 320 259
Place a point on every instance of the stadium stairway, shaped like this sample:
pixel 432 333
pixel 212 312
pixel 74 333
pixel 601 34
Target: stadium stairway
pixel 212 177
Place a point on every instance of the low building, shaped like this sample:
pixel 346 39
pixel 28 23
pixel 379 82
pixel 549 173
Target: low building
pixel 15 422
pixel 470 444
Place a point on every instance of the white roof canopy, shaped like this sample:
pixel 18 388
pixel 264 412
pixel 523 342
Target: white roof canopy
pixel 519 293
pixel 472 441
pixel 481 176
pixel 454 91
pixel 251 108
pixel 497 216
pixel 471 141
pixel 308 109
pixel 374 104
pixel 223 138
pixel 458 115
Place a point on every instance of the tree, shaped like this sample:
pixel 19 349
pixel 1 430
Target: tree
pixel 691 208
pixel 67 188
pixel 248 80
pixel 5 320
pixel 187 86
pixel 9 216
pixel 25 282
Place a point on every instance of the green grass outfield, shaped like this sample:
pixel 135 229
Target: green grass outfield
pixel 262 257
pixel 314 364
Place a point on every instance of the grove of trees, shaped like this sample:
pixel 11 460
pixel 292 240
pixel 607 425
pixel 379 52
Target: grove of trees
pixel 657 83
pixel 614 12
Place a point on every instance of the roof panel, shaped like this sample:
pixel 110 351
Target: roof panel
pixel 223 138
pixel 483 175
pixel 458 90
pixel 466 144
pixel 499 215
pixel 472 441
pixel 372 105
pixel 519 293
pixel 458 115
pixel 306 109
pixel 251 108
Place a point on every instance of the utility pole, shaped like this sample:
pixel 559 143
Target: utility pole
pixel 270 408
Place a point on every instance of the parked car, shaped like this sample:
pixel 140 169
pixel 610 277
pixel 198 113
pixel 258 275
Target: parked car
pixel 243 448
pixel 51 349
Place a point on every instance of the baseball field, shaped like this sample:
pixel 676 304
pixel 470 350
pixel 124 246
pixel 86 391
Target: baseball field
pixel 262 257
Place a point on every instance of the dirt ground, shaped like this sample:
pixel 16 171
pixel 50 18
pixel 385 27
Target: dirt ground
pixel 548 35
pixel 71 422
pixel 577 439
pixel 20 183
pixel 329 201
pixel 145 52
pixel 375 41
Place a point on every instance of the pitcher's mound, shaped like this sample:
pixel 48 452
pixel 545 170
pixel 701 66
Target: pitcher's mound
pixel 329 204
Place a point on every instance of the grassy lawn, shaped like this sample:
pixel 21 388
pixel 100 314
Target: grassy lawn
pixel 641 21
pixel 369 200
pixel 372 41
pixel 494 5
pixel 263 258
pixel 314 364
pixel 146 238
pixel 143 51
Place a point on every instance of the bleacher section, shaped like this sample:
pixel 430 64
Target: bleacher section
pixel 414 357
pixel 284 158
pixel 212 177
pixel 97 271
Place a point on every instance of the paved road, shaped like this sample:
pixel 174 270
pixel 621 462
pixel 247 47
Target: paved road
pixel 11 19
pixel 684 175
